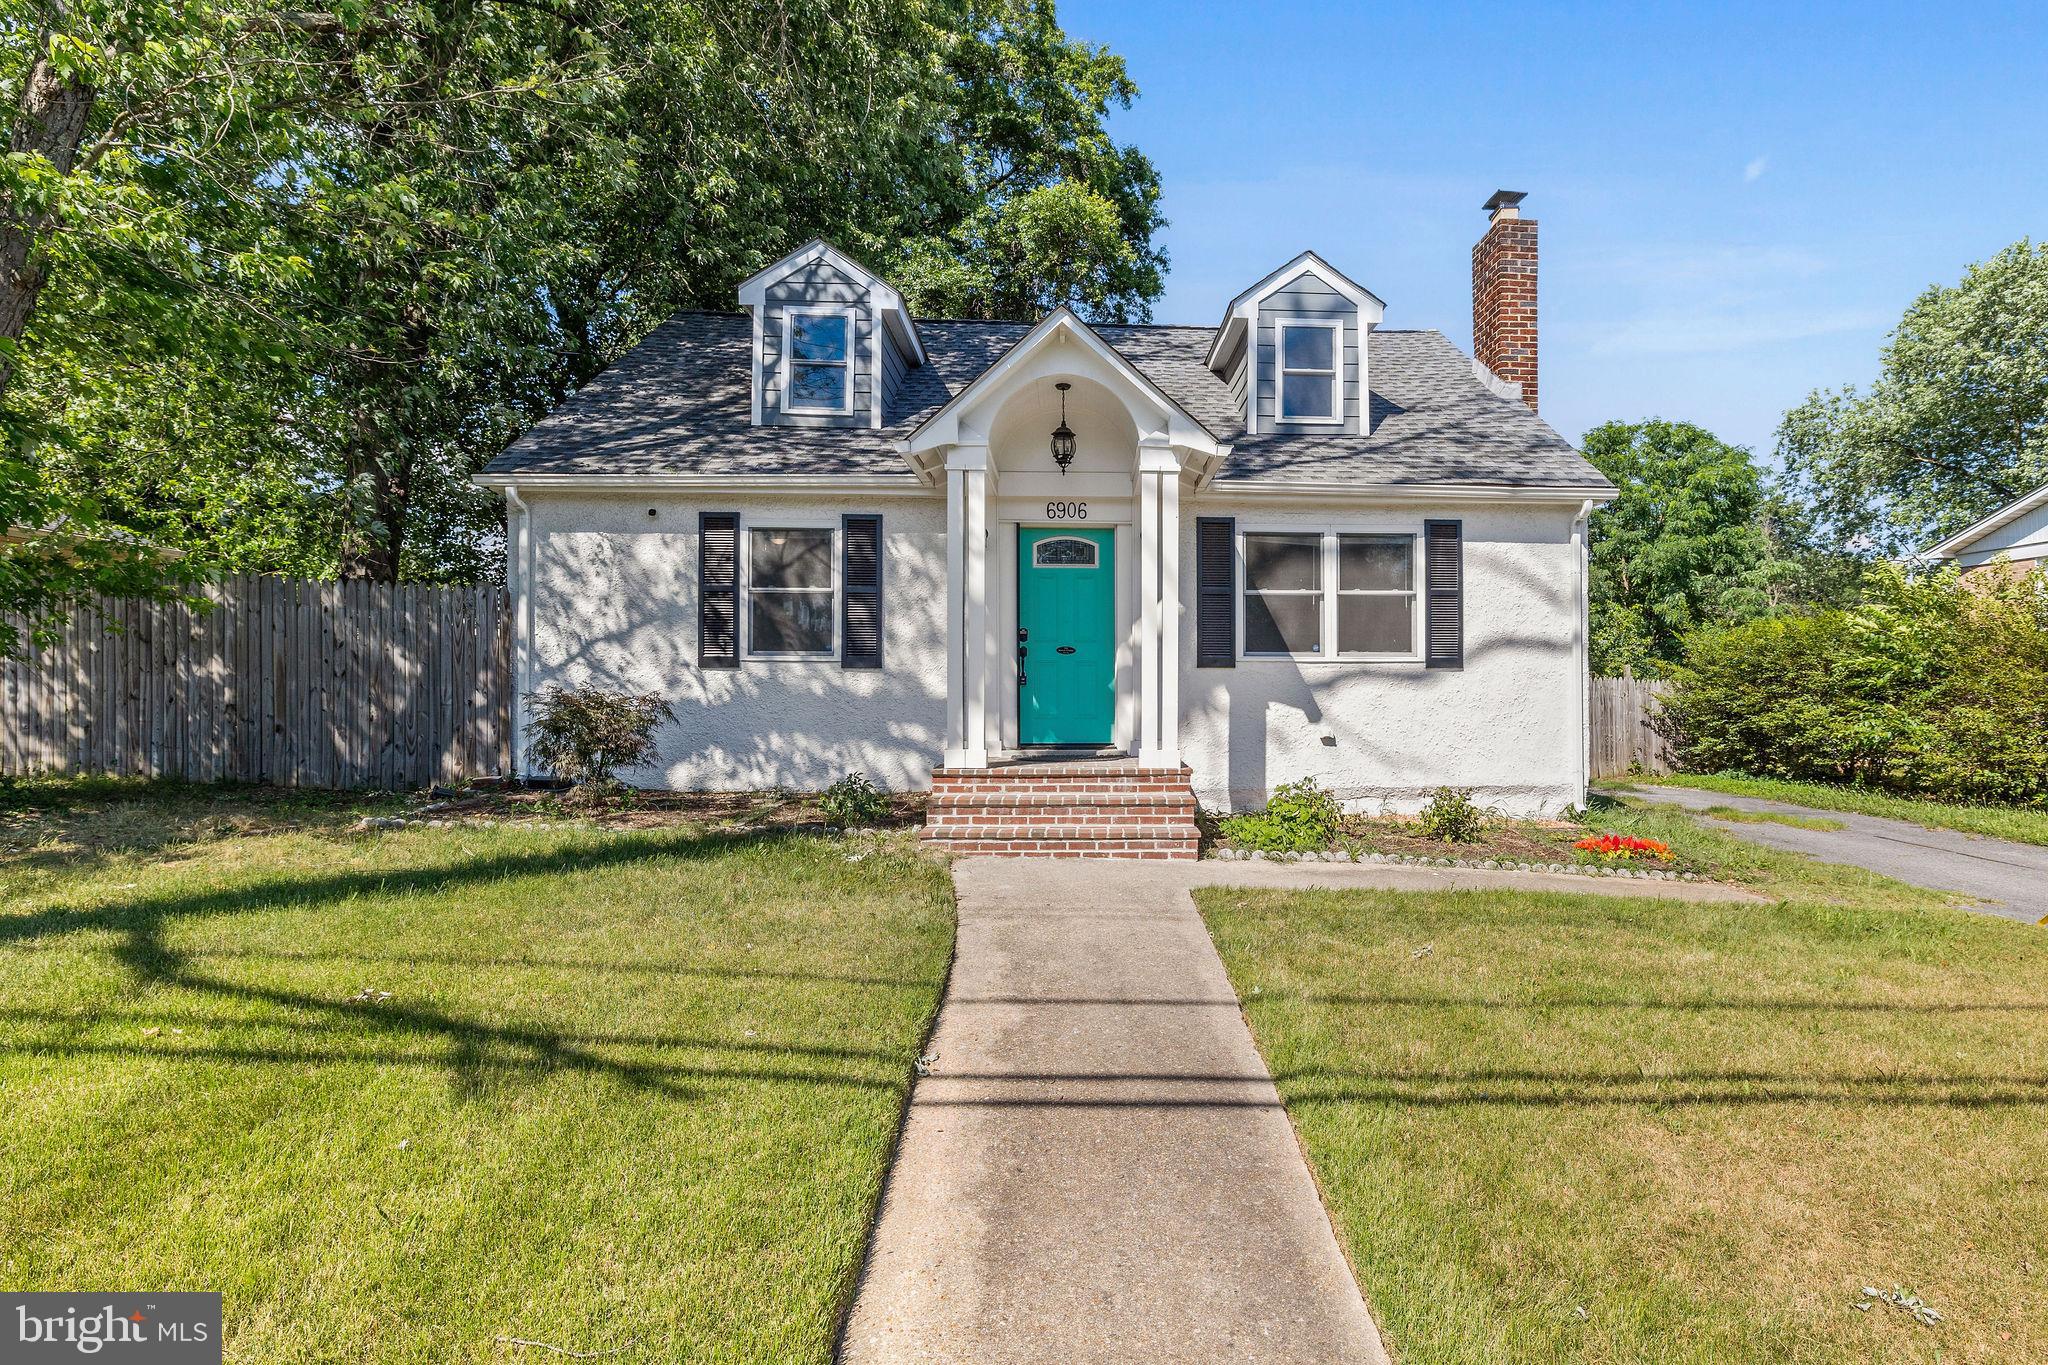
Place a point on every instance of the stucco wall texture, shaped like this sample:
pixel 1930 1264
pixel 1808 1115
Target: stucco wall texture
pixel 1384 736
pixel 614 604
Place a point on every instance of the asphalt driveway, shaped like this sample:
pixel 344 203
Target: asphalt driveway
pixel 2006 878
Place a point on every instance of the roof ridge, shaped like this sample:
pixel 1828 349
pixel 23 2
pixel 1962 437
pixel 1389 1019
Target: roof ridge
pixel 1095 326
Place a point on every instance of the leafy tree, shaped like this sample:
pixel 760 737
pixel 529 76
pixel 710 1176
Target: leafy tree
pixel 1695 538
pixel 319 264
pixel 1956 425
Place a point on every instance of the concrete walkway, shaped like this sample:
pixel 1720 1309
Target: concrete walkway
pixel 2009 879
pixel 1098 1167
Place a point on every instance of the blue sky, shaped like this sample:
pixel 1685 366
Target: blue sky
pixel 1737 201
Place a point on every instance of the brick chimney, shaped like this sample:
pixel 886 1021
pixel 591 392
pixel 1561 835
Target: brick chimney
pixel 1504 294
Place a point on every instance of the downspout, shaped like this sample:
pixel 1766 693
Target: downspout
pixel 1579 632
pixel 521 560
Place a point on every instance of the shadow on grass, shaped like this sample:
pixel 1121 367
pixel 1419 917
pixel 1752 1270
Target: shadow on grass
pixel 473 1051
pixel 1512 1089
pixel 1761 1006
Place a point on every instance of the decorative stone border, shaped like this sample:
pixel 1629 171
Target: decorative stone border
pixel 1648 874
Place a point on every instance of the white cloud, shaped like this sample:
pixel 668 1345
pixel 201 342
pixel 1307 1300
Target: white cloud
pixel 1755 169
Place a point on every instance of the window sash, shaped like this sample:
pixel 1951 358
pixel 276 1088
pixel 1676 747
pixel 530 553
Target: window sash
pixel 825 595
pixel 1269 599
pixel 1329 596
pixel 796 364
pixel 1332 376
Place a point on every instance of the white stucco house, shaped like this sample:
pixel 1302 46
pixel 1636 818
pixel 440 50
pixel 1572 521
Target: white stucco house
pixel 1295 544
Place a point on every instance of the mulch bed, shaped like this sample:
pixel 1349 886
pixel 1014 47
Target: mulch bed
pixel 1523 841
pixel 654 809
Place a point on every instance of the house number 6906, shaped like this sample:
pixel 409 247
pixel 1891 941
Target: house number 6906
pixel 1066 511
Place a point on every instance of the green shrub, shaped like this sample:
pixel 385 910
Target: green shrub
pixel 1930 688
pixel 853 801
pixel 1452 817
pixel 586 735
pixel 1299 817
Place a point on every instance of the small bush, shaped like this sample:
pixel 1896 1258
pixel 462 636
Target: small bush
pixel 1300 817
pixel 1452 817
pixel 853 801
pixel 588 734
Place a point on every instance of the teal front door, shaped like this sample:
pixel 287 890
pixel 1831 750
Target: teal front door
pixel 1066 636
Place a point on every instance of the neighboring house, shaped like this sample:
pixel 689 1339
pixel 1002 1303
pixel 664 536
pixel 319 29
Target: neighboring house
pixel 2015 536
pixel 1297 544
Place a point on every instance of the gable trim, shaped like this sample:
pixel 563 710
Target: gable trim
pixel 1240 311
pixel 1065 319
pixel 890 310
pixel 2004 516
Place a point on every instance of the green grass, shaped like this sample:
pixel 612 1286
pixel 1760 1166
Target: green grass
pixel 2000 822
pixel 628 1091
pixel 1631 1130
pixel 1772 817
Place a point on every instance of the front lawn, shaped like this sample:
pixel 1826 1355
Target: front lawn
pixel 400 1095
pixel 1568 1128
pixel 2000 822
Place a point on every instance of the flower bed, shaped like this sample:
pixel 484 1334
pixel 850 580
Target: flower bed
pixel 1623 848
pixel 1513 845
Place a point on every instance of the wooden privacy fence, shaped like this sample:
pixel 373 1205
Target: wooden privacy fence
pixel 350 684
pixel 1623 737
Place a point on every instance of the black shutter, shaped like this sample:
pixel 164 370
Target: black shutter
pixel 860 596
pixel 1443 560
pixel 718 590
pixel 1215 592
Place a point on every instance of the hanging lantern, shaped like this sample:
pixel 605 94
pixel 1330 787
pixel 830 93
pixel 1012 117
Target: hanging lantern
pixel 1063 435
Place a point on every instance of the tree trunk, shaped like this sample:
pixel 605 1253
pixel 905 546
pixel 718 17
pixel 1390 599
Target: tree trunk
pixel 50 120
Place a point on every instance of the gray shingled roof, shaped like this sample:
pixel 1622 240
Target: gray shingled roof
pixel 680 402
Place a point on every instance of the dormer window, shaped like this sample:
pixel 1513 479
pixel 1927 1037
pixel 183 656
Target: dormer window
pixel 1310 354
pixel 819 361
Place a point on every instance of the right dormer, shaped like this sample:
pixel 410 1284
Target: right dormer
pixel 1293 350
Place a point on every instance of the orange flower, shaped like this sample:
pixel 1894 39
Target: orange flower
pixel 1624 848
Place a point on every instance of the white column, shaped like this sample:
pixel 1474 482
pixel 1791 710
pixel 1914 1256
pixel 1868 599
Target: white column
pixel 1169 619
pixel 1158 604
pixel 967 606
pixel 976 755
pixel 956 618
pixel 1148 614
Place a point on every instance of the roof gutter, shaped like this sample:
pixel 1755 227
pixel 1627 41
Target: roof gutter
pixel 867 484
pixel 1323 490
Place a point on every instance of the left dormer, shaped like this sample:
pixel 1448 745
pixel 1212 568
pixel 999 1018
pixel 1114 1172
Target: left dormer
pixel 832 341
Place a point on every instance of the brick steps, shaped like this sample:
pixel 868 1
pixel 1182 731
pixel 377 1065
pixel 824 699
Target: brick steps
pixel 1090 808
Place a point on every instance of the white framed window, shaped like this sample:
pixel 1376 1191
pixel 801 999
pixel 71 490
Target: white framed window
pixel 1283 593
pixel 817 359
pixel 792 592
pixel 1329 595
pixel 1309 369
pixel 1376 596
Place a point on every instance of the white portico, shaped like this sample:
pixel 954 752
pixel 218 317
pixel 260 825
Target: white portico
pixel 1137 452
